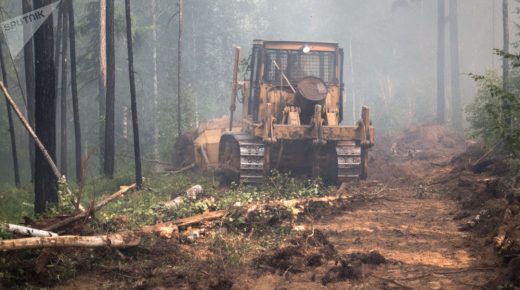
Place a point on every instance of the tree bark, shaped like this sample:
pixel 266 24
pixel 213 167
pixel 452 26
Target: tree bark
pixel 155 83
pixel 74 91
pixel 117 240
pixel 109 158
pixel 63 95
pixel 505 61
pixel 58 35
pixel 135 124
pixel 45 182
pixel 179 57
pixel 11 125
pixel 102 79
pixel 28 53
pixel 456 103
pixel 441 116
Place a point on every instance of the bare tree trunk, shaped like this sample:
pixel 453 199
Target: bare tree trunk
pixel 155 83
pixel 125 129
pixel 102 78
pixel 505 61
pixel 63 93
pixel 45 116
pixel 179 55
pixel 493 33
pixel 110 95
pixel 74 90
pixel 441 102
pixel 137 149
pixel 456 103
pixel 28 52
pixel 58 35
pixel 116 240
pixel 11 124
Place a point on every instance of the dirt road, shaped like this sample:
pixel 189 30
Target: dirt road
pixel 417 227
pixel 418 236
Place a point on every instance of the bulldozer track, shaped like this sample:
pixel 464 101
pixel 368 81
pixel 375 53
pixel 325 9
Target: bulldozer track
pixel 251 159
pixel 349 161
pixel 251 167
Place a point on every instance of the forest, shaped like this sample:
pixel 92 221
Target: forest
pixel 259 144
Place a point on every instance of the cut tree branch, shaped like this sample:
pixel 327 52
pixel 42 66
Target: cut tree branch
pixel 98 206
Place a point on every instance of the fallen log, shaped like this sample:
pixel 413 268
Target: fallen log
pixel 190 193
pixel 205 217
pixel 22 230
pixel 164 230
pixel 98 206
pixel 294 202
pixel 168 229
pixel 117 240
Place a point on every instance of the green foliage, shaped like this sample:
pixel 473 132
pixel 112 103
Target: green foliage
pixel 482 113
pixel 66 200
pixel 149 205
pixel 167 121
pixel 486 114
pixel 280 186
pixel 15 203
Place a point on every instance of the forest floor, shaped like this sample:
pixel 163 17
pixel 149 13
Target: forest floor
pixel 421 221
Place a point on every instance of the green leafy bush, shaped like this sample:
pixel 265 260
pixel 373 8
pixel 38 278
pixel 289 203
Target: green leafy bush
pixel 486 114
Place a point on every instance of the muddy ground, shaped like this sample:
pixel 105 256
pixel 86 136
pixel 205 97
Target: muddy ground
pixel 410 226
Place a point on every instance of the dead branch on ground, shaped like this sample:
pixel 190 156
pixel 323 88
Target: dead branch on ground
pixel 98 206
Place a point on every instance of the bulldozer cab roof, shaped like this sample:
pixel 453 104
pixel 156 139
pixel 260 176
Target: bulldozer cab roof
pixel 297 45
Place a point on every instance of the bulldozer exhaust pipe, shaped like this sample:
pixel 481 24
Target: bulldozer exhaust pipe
pixel 234 88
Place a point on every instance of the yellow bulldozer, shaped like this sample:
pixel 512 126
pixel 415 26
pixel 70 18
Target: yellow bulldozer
pixel 292 109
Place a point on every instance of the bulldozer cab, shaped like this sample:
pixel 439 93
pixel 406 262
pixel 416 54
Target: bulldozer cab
pixel 278 69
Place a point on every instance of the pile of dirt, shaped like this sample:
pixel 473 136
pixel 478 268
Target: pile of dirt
pixel 312 252
pixel 481 179
pixel 350 266
pixel 311 249
pixel 413 153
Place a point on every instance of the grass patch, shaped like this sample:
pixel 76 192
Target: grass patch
pixel 15 203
